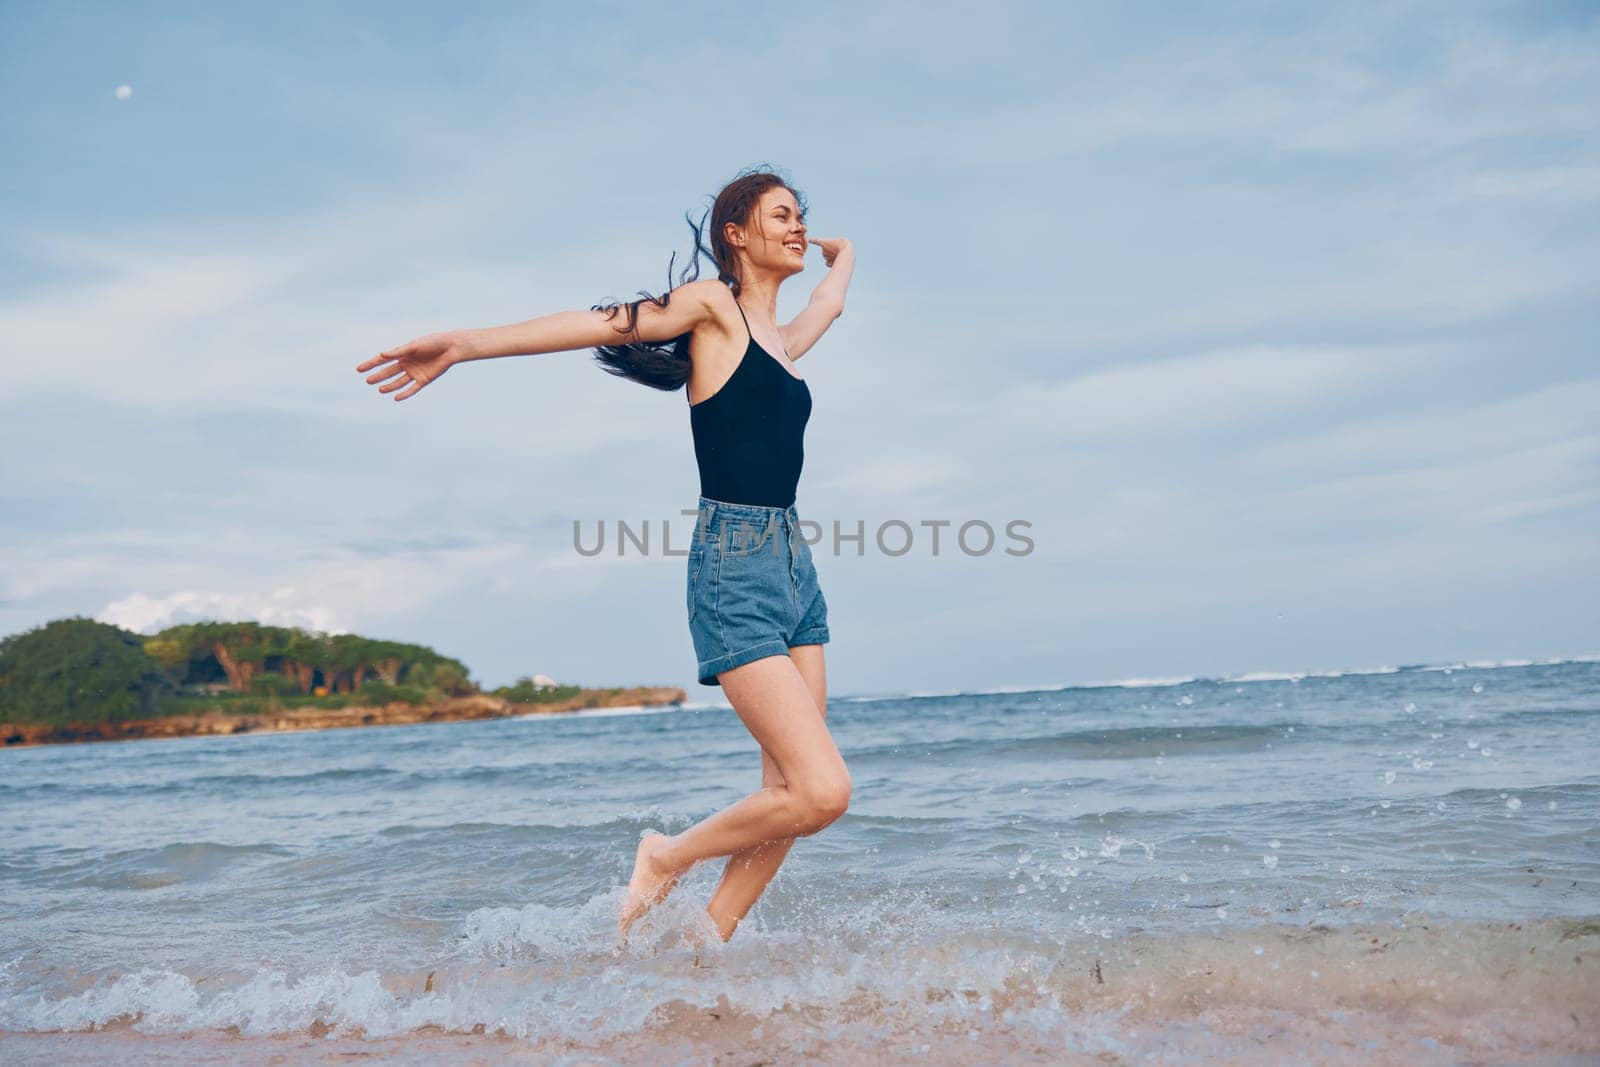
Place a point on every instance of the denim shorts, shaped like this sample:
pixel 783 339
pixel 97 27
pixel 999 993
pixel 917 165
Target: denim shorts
pixel 752 589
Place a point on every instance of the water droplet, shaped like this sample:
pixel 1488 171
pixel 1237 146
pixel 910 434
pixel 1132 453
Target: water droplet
pixel 1388 778
pixel 1477 687
pixel 1270 860
pixel 1410 707
pixel 1514 804
pixel 1344 869
pixel 1258 950
pixel 1274 843
pixel 1472 742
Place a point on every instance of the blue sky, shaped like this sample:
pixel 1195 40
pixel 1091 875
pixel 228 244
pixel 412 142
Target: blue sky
pixel 1278 325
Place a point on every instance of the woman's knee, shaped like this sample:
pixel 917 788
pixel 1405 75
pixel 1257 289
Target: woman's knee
pixel 821 801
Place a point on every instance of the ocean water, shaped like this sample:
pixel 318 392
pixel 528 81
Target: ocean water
pixel 1398 865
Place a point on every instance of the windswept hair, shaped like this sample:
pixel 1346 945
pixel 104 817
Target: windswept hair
pixel 665 364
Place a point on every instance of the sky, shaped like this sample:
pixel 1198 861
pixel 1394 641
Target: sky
pixel 1275 324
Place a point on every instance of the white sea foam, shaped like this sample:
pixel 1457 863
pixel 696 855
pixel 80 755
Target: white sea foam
pixel 550 979
pixel 1497 664
pixel 602 713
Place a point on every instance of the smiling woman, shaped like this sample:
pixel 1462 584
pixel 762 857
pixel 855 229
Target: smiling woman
pixel 777 219
pixel 757 617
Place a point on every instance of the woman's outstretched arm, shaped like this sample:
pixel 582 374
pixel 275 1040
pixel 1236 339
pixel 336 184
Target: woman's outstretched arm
pixel 827 299
pixel 411 366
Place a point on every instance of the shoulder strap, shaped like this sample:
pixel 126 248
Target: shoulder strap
pixel 742 316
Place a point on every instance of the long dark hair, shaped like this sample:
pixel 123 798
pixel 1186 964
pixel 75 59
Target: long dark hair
pixel 665 364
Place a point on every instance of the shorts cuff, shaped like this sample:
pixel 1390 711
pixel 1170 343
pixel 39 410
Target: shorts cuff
pixel 816 635
pixel 710 668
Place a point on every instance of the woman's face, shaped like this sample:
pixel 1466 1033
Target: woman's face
pixel 776 236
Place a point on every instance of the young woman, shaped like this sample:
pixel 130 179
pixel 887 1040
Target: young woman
pixel 757 616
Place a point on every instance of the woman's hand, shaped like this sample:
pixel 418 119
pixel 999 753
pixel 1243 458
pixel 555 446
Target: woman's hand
pixel 831 247
pixel 416 363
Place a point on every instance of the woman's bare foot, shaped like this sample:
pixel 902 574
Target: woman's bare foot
pixel 650 884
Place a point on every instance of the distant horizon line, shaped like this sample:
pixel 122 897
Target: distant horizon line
pixel 1243 678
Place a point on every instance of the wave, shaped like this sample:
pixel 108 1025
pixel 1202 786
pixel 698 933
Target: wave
pixel 213 782
pixel 626 826
pixel 1222 679
pixel 1113 743
pixel 603 713
pixel 553 979
pixel 1500 664
pixel 156 868
pixel 1009 690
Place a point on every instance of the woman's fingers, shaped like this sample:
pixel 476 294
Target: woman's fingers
pixel 398 352
pixel 406 368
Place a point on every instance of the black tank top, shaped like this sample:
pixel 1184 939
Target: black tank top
pixel 749 435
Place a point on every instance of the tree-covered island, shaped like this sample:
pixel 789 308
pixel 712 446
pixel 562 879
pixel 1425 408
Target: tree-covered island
pixel 77 679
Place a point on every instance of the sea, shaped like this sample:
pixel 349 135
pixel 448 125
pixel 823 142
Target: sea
pixel 1392 865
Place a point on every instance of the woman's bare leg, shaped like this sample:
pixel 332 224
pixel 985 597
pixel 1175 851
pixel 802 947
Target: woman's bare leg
pixel 776 706
pixel 750 870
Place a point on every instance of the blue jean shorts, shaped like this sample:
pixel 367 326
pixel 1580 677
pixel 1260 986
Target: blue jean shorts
pixel 752 589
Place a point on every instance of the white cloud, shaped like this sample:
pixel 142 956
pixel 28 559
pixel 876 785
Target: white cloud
pixel 281 607
pixel 1480 489
pixel 1193 394
pixel 1576 183
pixel 1426 438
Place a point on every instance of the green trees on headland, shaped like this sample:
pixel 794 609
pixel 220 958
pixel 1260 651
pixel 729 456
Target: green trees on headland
pixel 245 656
pixel 78 670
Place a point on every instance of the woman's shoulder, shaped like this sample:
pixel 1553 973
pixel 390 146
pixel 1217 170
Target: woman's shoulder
pixel 725 316
pixel 713 293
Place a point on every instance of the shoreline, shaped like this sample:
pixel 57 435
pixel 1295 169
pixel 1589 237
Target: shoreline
pixel 1500 990
pixel 215 722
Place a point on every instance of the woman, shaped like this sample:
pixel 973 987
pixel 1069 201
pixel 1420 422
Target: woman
pixel 757 616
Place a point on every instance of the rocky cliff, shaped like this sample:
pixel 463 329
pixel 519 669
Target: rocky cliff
pixel 456 709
